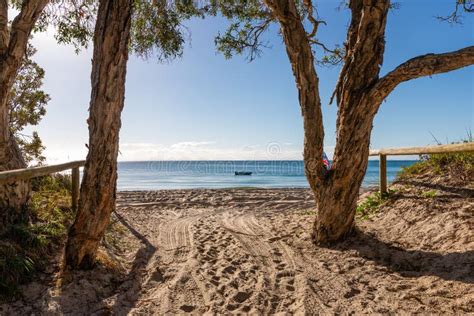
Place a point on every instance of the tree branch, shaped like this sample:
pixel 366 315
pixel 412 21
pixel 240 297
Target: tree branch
pixel 239 38
pixel 300 54
pixel 456 17
pixel 22 26
pixel 315 22
pixel 336 55
pixel 421 66
pixel 3 26
pixel 364 47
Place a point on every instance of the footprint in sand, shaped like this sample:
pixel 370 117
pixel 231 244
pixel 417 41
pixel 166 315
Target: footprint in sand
pixel 187 308
pixel 241 297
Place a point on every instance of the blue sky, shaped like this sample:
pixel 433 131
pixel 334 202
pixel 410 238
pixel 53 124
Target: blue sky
pixel 205 107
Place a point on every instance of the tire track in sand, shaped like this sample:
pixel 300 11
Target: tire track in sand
pixel 258 261
pixel 178 291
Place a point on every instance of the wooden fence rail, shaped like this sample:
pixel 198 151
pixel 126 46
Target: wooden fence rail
pixel 11 176
pixel 440 149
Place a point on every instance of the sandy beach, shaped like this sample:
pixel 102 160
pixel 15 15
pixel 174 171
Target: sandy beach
pixel 249 251
pixel 236 157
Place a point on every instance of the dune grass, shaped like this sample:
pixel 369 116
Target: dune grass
pixel 458 165
pixel 371 204
pixel 455 165
pixel 25 247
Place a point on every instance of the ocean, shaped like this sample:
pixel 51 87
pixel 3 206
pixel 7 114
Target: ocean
pixel 158 175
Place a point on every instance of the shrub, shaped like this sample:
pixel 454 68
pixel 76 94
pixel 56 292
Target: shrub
pixel 371 204
pixel 25 248
pixel 456 165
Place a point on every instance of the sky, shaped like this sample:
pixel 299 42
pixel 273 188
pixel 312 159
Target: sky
pixel 203 106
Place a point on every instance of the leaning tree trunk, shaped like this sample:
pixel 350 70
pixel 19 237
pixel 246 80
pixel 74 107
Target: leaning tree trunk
pixel 13 44
pixel 98 189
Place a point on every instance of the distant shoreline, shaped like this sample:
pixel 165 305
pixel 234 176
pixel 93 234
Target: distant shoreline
pixel 363 189
pixel 159 175
pixel 390 158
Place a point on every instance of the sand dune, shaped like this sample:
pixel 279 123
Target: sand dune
pixel 249 251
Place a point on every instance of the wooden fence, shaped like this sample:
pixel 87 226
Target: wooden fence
pixel 11 176
pixel 440 149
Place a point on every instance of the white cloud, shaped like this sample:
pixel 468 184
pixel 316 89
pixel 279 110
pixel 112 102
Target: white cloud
pixel 207 150
pixel 188 150
pixel 189 145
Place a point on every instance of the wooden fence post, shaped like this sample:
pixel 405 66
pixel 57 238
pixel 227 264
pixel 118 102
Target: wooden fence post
pixel 383 174
pixel 75 188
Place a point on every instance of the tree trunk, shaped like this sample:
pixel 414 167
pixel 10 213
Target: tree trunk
pixel 14 196
pixel 336 191
pixel 359 93
pixel 337 201
pixel 98 189
pixel 356 110
pixel 300 54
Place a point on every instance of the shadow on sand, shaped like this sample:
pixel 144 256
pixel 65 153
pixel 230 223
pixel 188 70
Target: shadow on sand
pixel 133 285
pixel 455 266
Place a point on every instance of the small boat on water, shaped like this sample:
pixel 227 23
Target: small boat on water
pixel 243 173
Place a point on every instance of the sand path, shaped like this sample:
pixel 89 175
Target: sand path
pixel 216 259
pixel 249 251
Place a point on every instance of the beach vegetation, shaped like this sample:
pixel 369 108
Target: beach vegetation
pixel 27 105
pixel 26 248
pixel 22 101
pixel 428 194
pixel 14 38
pixel 458 165
pixel 309 212
pixel 371 203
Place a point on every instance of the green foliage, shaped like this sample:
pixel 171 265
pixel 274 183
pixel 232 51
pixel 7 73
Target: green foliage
pixel 371 204
pixel 444 162
pixel 59 182
pixel 249 21
pixel 14 266
pixel 74 21
pixel 156 28
pixel 309 212
pixel 419 167
pixel 24 248
pixel 26 104
pixel 428 194
pixel 458 165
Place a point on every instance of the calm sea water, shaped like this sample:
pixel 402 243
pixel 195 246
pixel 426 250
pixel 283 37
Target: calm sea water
pixel 156 175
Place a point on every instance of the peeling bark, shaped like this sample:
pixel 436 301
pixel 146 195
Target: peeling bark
pixel 4 34
pixel 98 189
